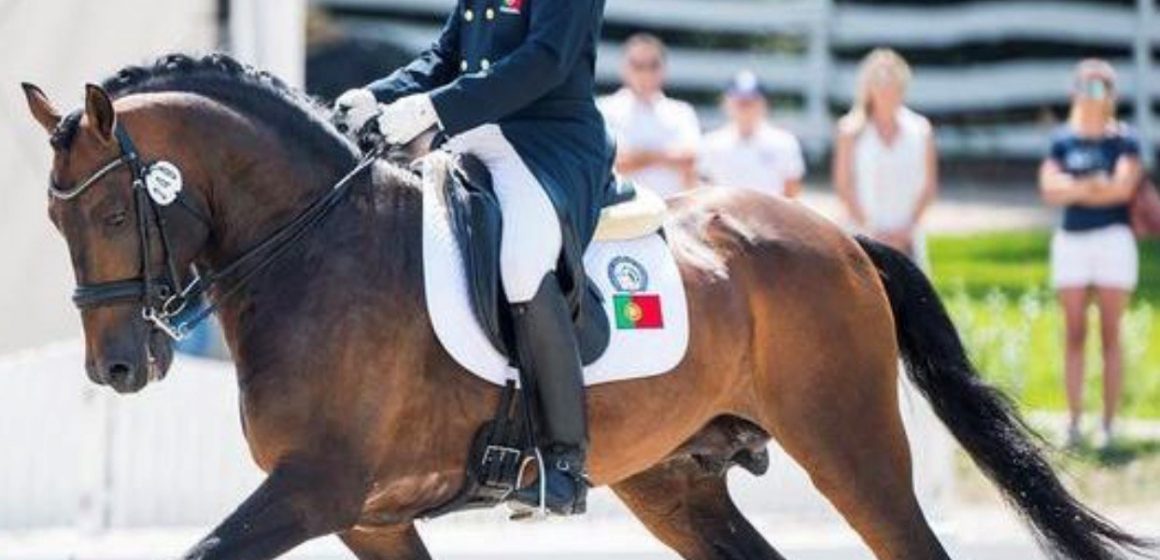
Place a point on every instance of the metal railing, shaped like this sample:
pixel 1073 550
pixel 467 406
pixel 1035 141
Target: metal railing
pixel 824 80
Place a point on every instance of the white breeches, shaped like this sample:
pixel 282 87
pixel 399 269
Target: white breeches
pixel 532 240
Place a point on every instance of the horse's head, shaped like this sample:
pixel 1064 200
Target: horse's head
pixel 130 252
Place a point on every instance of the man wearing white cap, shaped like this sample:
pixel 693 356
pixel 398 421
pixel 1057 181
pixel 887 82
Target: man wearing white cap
pixel 749 152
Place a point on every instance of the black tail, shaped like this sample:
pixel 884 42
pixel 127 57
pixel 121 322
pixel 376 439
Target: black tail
pixel 985 422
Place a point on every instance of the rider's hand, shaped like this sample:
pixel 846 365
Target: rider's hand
pixel 353 110
pixel 404 120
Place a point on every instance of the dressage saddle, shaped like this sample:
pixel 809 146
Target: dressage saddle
pixel 477 223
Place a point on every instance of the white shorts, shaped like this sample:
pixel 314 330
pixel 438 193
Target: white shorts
pixel 1103 258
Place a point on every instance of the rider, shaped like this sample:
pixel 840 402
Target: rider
pixel 511 82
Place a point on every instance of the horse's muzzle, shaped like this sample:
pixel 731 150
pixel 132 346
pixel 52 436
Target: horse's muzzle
pixel 130 360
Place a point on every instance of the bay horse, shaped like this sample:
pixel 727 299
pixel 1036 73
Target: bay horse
pixel 361 419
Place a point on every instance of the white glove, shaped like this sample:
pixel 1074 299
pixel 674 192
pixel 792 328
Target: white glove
pixel 404 120
pixel 353 110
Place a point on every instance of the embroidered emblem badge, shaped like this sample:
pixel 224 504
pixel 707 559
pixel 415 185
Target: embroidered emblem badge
pixel 627 275
pixel 633 309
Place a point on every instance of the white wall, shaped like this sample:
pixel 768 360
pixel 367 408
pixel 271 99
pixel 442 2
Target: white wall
pixel 60 45
pixel 76 455
pixel 271 34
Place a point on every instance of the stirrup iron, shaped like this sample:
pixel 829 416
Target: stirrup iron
pixel 523 513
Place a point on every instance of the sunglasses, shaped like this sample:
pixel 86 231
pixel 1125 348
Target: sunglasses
pixel 1095 89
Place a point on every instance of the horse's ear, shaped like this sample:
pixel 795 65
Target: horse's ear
pixel 41 107
pixel 99 110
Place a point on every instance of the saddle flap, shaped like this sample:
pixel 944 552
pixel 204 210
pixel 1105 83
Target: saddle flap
pixel 477 225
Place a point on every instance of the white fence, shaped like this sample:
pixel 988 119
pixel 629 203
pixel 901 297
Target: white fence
pixel 823 26
pixel 75 455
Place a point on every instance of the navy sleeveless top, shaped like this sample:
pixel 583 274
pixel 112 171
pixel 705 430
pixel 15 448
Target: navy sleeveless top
pixel 1082 157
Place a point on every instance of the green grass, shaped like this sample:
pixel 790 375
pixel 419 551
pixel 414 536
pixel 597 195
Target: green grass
pixel 996 287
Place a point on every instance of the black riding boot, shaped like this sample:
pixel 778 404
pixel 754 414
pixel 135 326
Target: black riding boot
pixel 550 359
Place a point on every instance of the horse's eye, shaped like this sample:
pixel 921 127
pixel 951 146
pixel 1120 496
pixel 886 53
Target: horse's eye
pixel 116 219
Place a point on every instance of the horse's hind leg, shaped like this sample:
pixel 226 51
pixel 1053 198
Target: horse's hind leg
pixel 849 438
pixel 386 543
pixel 689 509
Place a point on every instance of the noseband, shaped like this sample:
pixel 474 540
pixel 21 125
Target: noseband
pixel 162 297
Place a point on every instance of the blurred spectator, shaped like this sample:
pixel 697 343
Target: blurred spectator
pixel 1092 171
pixel 657 137
pixel 885 161
pixel 749 152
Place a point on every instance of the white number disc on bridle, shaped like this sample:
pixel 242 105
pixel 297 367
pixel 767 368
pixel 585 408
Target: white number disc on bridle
pixel 163 182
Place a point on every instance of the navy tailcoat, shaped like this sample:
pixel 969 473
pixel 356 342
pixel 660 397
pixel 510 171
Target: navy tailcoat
pixel 528 66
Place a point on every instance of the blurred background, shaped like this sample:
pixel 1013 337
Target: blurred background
pixel 84 474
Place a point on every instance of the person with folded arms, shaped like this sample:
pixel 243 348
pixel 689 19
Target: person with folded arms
pixel 1092 172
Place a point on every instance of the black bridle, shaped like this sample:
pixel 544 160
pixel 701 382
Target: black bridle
pixel 162 297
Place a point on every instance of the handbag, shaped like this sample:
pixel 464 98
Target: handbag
pixel 1144 209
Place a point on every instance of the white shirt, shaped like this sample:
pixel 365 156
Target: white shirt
pixel 764 162
pixel 889 179
pixel 660 125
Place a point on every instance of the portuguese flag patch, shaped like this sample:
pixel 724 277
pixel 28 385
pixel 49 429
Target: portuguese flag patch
pixel 638 311
pixel 512 6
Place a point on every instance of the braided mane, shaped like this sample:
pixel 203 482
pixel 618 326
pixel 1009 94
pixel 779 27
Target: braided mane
pixel 219 77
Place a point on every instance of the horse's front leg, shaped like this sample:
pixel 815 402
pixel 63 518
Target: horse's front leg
pixel 299 501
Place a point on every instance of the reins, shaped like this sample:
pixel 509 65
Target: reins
pixel 162 298
pixel 277 245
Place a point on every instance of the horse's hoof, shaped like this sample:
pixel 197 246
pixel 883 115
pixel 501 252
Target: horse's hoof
pixel 756 462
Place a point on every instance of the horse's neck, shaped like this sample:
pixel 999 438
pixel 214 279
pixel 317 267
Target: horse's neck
pixel 375 232
pixel 252 182
pixel 356 276
pixel 257 185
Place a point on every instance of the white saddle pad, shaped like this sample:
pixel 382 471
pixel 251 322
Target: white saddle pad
pixel 643 293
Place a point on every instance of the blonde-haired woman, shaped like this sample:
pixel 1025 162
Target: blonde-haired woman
pixel 1092 172
pixel 885 163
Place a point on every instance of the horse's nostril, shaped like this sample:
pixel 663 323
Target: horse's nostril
pixel 119 371
pixel 124 377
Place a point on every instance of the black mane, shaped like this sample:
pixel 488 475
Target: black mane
pixel 245 89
